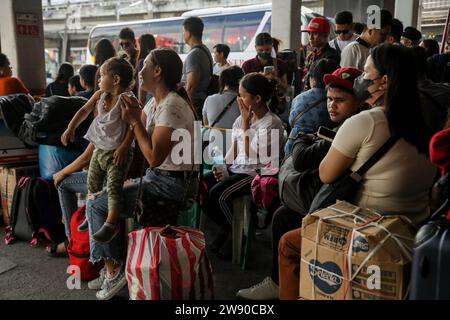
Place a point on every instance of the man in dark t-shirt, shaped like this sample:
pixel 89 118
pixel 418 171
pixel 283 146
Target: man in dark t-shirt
pixel 319 32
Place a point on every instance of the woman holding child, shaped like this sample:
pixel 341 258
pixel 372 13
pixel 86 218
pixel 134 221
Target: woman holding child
pixel 169 110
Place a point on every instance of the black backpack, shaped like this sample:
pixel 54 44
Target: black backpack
pixel 36 212
pixel 13 109
pixel 49 118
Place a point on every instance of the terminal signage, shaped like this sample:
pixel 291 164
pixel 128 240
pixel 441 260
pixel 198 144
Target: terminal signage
pixel 27 25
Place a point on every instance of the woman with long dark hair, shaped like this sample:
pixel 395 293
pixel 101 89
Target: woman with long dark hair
pixel 399 182
pixel 168 111
pixel 103 50
pixel 60 86
pixel 146 44
pixel 251 136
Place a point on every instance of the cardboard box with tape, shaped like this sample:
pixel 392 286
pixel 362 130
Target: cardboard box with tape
pixel 353 253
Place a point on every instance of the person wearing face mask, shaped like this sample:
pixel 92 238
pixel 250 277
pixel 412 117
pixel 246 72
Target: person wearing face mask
pixel 356 53
pixel 265 58
pixel 344 23
pixel 319 32
pixel 399 182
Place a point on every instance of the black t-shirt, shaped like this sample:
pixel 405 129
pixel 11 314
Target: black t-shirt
pixel 57 89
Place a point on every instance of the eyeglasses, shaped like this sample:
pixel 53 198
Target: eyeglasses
pixel 342 31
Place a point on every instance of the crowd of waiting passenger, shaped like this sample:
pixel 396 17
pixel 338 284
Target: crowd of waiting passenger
pixel 367 85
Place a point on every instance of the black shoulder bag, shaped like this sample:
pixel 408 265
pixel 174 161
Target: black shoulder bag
pixel 346 186
pixel 213 86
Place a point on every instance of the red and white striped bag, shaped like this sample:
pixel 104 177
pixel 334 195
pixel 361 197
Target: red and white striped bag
pixel 168 263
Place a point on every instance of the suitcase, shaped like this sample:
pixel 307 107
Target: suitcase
pixel 430 278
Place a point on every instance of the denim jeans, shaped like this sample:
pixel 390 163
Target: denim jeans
pixel 97 210
pixel 67 190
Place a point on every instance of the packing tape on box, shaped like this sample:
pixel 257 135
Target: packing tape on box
pixel 365 224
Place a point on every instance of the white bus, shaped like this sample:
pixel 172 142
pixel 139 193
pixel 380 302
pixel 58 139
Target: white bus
pixel 237 27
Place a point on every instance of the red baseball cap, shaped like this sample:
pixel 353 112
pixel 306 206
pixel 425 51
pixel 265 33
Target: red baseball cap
pixel 440 149
pixel 318 24
pixel 343 77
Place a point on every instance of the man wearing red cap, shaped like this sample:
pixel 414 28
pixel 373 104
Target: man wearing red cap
pixel 319 32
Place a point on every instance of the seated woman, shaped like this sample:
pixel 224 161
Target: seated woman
pixel 307 152
pixel 399 182
pixel 309 109
pixel 8 83
pixel 251 139
pixel 169 110
pixel 60 86
pixel 213 110
pixel 221 110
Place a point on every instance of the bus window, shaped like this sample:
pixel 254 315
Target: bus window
pixel 267 27
pixel 240 29
pixel 168 34
pixel 213 31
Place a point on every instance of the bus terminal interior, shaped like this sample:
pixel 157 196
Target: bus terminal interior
pixel 26 272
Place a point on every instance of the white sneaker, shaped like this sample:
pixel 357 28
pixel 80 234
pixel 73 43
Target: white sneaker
pixel 112 286
pixel 97 284
pixel 265 290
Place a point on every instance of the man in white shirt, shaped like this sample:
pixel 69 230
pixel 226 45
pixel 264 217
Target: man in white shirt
pixel 344 24
pixel 220 55
pixel 356 53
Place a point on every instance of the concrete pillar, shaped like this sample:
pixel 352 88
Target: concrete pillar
pixel 22 40
pixel 408 12
pixel 286 22
pixel 357 7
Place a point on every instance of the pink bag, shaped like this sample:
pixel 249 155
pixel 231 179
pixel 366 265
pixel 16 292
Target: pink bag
pixel 168 263
pixel 265 188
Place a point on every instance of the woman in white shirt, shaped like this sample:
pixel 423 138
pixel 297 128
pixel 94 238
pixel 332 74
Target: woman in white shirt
pixel 257 138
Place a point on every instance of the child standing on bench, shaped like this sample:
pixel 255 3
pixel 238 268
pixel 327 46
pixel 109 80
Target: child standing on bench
pixel 112 140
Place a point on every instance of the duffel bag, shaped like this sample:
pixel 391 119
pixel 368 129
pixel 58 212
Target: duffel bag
pixel 168 263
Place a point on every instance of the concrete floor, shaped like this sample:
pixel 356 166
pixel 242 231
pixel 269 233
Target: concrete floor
pixel 38 276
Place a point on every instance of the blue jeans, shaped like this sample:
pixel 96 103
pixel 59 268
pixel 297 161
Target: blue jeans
pixel 67 189
pixel 97 210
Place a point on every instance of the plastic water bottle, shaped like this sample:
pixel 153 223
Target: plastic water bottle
pixel 219 162
pixel 81 199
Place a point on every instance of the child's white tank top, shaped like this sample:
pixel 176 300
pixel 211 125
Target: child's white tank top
pixel 107 130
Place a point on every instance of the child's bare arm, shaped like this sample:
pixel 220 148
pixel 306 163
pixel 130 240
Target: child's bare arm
pixel 84 112
pixel 79 117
